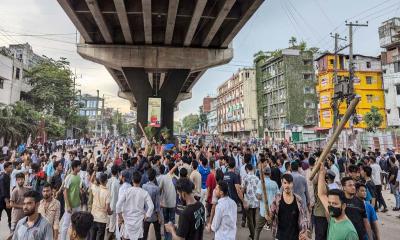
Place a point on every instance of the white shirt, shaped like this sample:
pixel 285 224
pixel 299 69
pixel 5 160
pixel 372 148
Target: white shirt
pixel 133 205
pixel 376 174
pixel 224 222
pixel 4 149
pixel 337 174
pixel 113 186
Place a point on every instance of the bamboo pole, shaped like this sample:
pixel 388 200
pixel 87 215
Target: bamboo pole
pixel 335 135
pixel 144 134
pixel 264 189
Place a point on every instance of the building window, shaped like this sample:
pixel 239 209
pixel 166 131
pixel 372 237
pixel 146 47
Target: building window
pixel 368 64
pixel 307 62
pixel 308 90
pixel 398 110
pixel 396 67
pixel 1 83
pixel 307 76
pixel 398 89
pixel 17 73
pixel 309 105
pixel 331 61
pixel 369 79
pixel 369 98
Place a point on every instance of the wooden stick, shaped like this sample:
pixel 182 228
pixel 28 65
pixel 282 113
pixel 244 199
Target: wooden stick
pixel 144 134
pixel 264 189
pixel 335 135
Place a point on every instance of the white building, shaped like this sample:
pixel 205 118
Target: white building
pixel 14 61
pixel 237 105
pixel 212 118
pixel 389 37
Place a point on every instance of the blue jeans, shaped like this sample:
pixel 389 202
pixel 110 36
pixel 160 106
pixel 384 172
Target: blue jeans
pixel 396 194
pixel 169 216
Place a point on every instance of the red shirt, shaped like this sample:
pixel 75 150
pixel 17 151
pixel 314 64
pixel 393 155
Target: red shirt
pixel 211 183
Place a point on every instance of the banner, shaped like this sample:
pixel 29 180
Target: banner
pixel 154 112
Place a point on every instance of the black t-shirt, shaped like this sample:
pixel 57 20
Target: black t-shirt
pixel 341 162
pixel 191 222
pixel 232 178
pixel 355 211
pixel 276 175
pixel 288 227
pixel 393 172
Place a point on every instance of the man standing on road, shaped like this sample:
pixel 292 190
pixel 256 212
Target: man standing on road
pixel 339 226
pixel 113 186
pixel 134 207
pixel 272 189
pixel 168 197
pixel 355 209
pixel 300 186
pixel 17 200
pixel 371 213
pixel 5 191
pixel 100 206
pixel 34 225
pixel 191 220
pixel 72 187
pixel 49 208
pixel 289 218
pixel 154 193
pixel 376 178
pixel 224 222
pixel 249 188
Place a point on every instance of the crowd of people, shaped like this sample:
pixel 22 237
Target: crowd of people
pixel 118 190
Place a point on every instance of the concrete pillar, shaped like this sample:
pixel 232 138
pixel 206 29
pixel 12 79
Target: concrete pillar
pixel 168 93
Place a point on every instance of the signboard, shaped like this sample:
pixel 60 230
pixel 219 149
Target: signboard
pixel 154 112
pixel 324 99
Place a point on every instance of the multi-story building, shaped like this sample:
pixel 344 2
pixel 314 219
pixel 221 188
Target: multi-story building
pixel 237 105
pixel 389 36
pixel 367 84
pixel 92 107
pixel 285 92
pixel 212 117
pixel 14 62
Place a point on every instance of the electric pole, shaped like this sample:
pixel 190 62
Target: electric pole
pixel 351 66
pixel 102 117
pixel 336 97
pixel 97 113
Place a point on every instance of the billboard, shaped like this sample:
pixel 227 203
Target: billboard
pixel 154 112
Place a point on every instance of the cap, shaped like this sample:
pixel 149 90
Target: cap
pixel 267 170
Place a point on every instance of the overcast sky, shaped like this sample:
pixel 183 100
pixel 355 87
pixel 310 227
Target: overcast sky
pixel 269 28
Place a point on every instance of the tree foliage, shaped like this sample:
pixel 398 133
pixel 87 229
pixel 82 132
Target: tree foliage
pixel 190 122
pixel 52 88
pixel 373 119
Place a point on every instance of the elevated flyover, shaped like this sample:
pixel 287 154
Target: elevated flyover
pixel 158 48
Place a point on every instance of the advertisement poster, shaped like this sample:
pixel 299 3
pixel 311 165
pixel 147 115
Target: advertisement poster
pixel 154 112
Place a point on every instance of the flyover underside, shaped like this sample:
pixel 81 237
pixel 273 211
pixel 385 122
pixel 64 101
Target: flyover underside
pixel 168 92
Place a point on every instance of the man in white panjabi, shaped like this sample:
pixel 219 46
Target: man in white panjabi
pixel 132 208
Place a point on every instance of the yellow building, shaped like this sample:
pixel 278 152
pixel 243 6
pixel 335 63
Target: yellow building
pixel 367 84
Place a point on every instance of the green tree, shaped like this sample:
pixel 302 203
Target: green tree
pixel 293 42
pixel 191 122
pixel 17 122
pixel 52 88
pixel 203 121
pixel 373 119
pixel 302 46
